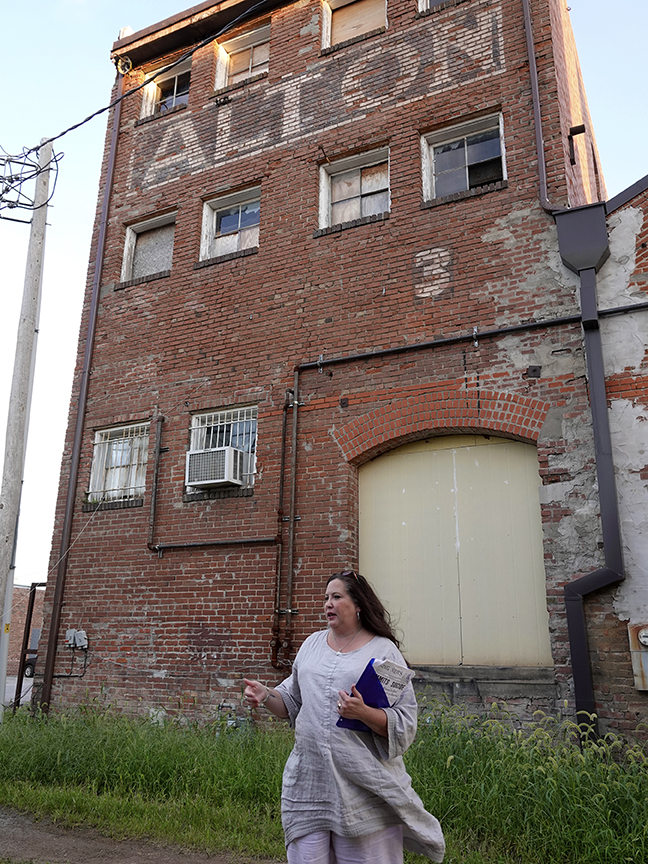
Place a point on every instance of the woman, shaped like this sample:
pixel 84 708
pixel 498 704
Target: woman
pixel 346 795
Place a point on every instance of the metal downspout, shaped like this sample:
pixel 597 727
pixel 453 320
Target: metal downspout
pixel 537 115
pixel 583 242
pixel 66 532
pixel 612 572
pixel 275 642
pixel 291 525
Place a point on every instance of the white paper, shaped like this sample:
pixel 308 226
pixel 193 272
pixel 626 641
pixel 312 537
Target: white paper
pixel 393 677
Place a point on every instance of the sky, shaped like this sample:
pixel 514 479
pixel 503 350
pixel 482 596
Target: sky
pixel 67 43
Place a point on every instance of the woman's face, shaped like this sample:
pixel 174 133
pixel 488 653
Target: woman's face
pixel 339 608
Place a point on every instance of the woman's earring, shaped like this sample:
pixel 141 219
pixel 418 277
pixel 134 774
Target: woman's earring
pixel 358 614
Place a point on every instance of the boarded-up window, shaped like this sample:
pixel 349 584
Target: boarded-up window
pixel 354 19
pixel 450 535
pixel 153 251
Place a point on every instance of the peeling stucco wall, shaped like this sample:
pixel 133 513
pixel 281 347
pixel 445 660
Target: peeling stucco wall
pixel 625 347
pixel 629 428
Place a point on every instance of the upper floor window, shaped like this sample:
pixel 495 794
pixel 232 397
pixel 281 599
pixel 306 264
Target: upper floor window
pixel 119 463
pixel 148 249
pixel 463 157
pixel 346 19
pixel 424 5
pixel 231 223
pixel 243 57
pixel 354 187
pixel 223 447
pixel 167 90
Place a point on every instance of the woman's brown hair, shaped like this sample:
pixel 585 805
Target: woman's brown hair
pixel 373 615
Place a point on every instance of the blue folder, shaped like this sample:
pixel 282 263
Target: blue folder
pixel 371 690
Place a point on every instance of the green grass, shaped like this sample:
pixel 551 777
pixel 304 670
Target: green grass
pixel 504 794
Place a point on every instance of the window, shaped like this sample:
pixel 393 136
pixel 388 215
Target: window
pixel 424 5
pixel 119 463
pixel 167 90
pixel 243 57
pixel 343 20
pixel 463 157
pixel 149 248
pixel 354 188
pixel 231 223
pixel 223 448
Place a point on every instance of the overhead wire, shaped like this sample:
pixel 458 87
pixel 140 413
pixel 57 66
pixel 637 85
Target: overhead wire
pixel 28 151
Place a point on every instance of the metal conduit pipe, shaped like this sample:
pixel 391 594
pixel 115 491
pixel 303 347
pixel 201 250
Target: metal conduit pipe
pixel 159 420
pixel 66 531
pixel 275 642
pixel 160 548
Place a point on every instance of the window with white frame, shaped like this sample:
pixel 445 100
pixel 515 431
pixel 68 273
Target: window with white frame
pixel 167 90
pixel 223 448
pixel 424 5
pixel 346 19
pixel 119 463
pixel 231 223
pixel 463 157
pixel 354 188
pixel 149 248
pixel 243 57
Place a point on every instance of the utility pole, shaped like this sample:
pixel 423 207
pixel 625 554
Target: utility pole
pixel 19 405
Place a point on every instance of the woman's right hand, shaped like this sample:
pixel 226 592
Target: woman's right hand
pixel 255 692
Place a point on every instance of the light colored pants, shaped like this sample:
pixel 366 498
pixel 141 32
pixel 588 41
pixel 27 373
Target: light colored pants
pixel 324 847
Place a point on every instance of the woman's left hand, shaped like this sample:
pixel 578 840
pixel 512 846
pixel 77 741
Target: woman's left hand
pixel 352 706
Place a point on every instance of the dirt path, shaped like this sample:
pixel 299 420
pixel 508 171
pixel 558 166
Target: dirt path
pixel 23 840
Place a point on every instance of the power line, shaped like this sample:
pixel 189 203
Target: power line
pixel 23 167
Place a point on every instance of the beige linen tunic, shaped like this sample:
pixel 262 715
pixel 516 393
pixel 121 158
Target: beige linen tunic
pixel 351 783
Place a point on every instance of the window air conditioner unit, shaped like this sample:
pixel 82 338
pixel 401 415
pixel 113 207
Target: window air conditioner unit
pixel 216 467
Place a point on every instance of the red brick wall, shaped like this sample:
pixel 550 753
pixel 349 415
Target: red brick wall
pixel 18 618
pixel 188 624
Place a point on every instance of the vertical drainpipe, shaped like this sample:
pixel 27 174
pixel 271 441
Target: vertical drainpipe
pixel 287 641
pixel 583 242
pixel 66 531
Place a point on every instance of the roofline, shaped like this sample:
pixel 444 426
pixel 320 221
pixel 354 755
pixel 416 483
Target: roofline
pixel 627 195
pixel 187 28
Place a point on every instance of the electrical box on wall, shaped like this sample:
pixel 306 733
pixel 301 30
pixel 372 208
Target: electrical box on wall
pixel 76 639
pixel 638 634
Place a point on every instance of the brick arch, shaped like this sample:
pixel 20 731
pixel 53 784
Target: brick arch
pixel 441 412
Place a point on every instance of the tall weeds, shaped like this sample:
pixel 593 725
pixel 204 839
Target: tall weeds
pixel 503 793
pixel 535 793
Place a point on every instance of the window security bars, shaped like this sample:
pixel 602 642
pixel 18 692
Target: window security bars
pixel 119 463
pixel 236 428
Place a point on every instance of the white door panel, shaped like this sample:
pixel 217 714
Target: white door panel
pixel 450 535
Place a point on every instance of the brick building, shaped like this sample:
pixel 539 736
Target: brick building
pixel 19 612
pixel 341 312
